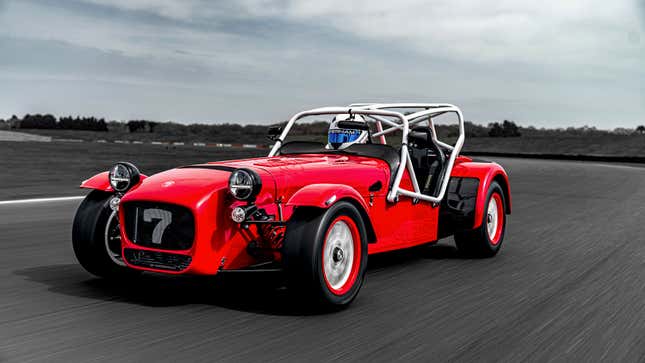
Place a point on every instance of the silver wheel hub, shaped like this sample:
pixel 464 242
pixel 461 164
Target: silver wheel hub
pixel 338 255
pixel 492 218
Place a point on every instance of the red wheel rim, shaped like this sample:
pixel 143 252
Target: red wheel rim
pixel 341 255
pixel 495 218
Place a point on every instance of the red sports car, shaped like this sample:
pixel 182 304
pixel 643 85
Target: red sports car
pixel 313 210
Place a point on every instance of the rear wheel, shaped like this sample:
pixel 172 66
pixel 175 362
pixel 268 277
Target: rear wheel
pixel 486 240
pixel 96 237
pixel 325 253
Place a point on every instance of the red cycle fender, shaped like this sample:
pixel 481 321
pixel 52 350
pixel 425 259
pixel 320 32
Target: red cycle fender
pixel 484 184
pixel 101 182
pixel 486 173
pixel 324 195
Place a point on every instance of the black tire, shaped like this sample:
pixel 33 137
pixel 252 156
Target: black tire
pixel 477 242
pixel 88 237
pixel 305 238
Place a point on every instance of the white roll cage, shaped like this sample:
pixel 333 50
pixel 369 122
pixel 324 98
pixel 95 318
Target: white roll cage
pixel 379 113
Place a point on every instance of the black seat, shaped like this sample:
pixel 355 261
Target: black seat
pixel 427 168
pixel 428 160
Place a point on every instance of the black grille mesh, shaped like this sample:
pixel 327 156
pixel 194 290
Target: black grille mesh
pixel 159 225
pixel 157 260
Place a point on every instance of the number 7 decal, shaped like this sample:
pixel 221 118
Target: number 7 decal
pixel 164 217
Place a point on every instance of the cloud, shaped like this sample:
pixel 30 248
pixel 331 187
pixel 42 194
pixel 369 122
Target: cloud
pixel 529 31
pixel 547 62
pixel 185 9
pixel 584 37
pixel 547 32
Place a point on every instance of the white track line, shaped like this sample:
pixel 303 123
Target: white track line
pixel 40 200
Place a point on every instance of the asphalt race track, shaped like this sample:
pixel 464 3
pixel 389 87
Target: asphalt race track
pixel 569 285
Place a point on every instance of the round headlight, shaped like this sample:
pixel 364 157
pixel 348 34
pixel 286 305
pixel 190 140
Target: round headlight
pixel 244 184
pixel 123 176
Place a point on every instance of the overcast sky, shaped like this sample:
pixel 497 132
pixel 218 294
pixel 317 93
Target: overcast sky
pixel 545 63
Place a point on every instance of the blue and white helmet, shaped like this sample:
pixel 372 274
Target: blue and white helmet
pixel 341 138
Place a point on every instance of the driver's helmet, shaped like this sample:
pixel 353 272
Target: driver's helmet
pixel 341 138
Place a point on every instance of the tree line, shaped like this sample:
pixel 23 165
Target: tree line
pixel 256 133
pixel 48 121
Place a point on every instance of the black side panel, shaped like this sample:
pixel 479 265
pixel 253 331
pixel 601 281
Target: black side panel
pixel 458 207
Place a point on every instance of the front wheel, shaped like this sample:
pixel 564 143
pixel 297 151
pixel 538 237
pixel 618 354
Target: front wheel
pixel 486 240
pixel 96 238
pixel 325 253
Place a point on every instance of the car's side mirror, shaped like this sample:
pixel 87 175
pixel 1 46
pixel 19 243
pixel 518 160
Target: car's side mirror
pixel 274 132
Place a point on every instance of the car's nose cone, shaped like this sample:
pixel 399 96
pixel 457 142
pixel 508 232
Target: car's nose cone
pixel 184 186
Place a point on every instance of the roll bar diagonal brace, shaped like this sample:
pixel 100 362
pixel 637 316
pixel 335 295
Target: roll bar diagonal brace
pixel 383 115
